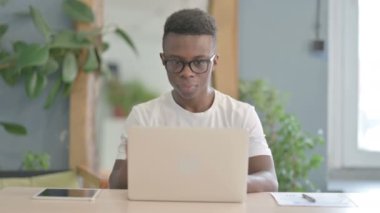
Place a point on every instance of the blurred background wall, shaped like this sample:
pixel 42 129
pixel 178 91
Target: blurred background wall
pixel 275 39
pixel 47 129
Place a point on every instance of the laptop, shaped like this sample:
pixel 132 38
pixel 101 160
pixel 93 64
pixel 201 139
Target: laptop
pixel 187 164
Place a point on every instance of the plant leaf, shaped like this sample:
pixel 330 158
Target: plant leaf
pixel 13 128
pixel 69 40
pixel 67 89
pixel 4 59
pixel 19 45
pixel 31 55
pixel 69 68
pixel 40 23
pixel 36 161
pixel 53 94
pixel 92 62
pixel 43 161
pixel 3 55
pixel 3 29
pixel 3 2
pixel 35 84
pixel 78 11
pixel 126 38
pixel 41 85
pixel 31 84
pixel 51 66
pixel 105 46
pixel 9 76
pixel 91 33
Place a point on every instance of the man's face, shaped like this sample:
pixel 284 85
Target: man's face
pixel 178 48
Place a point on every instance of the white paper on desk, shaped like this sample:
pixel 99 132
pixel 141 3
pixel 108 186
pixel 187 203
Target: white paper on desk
pixel 322 199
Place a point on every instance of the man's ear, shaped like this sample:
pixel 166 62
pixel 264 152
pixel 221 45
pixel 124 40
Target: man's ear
pixel 216 59
pixel 162 58
pixel 215 62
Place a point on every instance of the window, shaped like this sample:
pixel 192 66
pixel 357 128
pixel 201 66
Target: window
pixel 354 84
pixel 369 76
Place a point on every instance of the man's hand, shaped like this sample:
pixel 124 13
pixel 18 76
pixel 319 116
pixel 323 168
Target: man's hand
pixel 261 174
pixel 118 178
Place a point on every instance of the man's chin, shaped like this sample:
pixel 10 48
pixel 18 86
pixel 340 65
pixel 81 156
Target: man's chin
pixel 186 94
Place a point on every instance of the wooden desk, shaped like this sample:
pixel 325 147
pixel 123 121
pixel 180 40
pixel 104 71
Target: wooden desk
pixel 18 199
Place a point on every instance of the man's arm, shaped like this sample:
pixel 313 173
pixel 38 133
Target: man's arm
pixel 261 174
pixel 119 175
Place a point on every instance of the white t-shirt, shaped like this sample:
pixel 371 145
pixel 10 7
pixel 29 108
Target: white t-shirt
pixel 225 112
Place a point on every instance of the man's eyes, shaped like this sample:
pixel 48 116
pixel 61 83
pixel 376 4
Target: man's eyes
pixel 199 62
pixel 173 61
pixel 195 62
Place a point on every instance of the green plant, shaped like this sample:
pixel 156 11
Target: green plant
pixel 62 52
pixel 33 161
pixel 59 54
pixel 290 145
pixel 3 2
pixel 13 128
pixel 125 95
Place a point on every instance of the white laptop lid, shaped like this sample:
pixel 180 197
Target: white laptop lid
pixel 187 164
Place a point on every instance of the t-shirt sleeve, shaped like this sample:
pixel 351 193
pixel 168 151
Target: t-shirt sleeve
pixel 130 121
pixel 122 149
pixel 257 142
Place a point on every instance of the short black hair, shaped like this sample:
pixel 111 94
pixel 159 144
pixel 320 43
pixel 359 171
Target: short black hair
pixel 190 22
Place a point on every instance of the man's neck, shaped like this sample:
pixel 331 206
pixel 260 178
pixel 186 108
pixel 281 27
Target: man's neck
pixel 197 104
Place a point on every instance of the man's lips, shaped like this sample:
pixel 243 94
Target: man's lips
pixel 187 86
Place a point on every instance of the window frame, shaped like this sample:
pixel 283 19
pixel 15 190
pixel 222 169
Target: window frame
pixel 343 75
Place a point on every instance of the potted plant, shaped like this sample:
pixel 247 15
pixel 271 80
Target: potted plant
pixel 35 63
pixel 122 96
pixel 62 53
pixel 55 61
pixel 288 142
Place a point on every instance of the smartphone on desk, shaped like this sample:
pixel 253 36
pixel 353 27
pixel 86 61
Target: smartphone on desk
pixel 67 194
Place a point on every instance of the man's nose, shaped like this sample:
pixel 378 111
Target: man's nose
pixel 187 72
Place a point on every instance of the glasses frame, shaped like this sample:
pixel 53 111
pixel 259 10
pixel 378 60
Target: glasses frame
pixel 189 63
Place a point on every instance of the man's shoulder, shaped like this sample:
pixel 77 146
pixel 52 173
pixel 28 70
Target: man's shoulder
pixel 228 101
pixel 235 112
pixel 160 101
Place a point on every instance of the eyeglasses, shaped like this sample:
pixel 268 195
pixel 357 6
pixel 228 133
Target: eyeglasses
pixel 197 66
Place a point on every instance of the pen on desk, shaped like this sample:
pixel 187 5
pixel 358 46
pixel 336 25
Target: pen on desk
pixel 308 198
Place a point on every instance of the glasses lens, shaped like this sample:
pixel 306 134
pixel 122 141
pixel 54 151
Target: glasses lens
pixel 174 65
pixel 199 66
